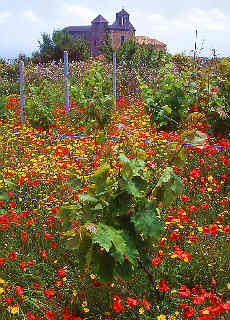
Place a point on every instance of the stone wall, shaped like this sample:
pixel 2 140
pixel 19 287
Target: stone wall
pixel 116 36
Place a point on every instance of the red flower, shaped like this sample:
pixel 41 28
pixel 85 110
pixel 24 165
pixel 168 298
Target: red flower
pixel 13 255
pixel 36 285
pixel 198 300
pixel 226 305
pixel 131 302
pixel 82 293
pixel 97 284
pixel 2 261
pixel 183 292
pixel 61 273
pixel 174 236
pixel 53 245
pixel 184 255
pixel 193 238
pixel 145 302
pixel 30 263
pixel 185 198
pixel 205 205
pixel 189 312
pixel 162 286
pixel 30 316
pixel 24 236
pixel 49 293
pixel 49 315
pixel 117 305
pixel 19 290
pixel 156 261
pixel 47 236
pixel 23 265
pixel 59 283
pixel 43 254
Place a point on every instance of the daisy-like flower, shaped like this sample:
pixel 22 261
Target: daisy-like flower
pixel 91 228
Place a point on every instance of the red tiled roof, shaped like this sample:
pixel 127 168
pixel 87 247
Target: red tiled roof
pixel 147 40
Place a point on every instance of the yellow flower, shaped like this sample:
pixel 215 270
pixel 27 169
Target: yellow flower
pixel 64 279
pixel 141 310
pixel 205 312
pixel 86 310
pixel 92 276
pixel 161 317
pixel 74 293
pixel 228 285
pixel 210 178
pixel 185 259
pixel 13 310
pixel 1 280
pixel 1 290
pixel 172 318
pixel 84 303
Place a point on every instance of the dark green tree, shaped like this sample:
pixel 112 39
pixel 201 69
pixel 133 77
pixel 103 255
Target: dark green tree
pixel 53 49
pixel 106 48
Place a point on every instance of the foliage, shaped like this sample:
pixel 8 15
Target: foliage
pixel 53 49
pixel 105 47
pixel 116 223
pixel 95 96
pixel 39 112
pixel 167 105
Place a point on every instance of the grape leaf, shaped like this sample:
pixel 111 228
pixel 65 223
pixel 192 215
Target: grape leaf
pixel 107 235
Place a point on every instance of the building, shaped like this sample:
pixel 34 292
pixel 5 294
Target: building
pixel 119 31
pixel 155 43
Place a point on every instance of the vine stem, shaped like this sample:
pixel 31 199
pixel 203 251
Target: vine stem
pixel 150 277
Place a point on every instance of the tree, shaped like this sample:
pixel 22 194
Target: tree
pixel 53 49
pixel 106 48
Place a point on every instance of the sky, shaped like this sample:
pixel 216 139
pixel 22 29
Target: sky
pixel 174 23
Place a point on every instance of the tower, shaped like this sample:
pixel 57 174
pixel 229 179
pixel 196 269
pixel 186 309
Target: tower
pixel 98 29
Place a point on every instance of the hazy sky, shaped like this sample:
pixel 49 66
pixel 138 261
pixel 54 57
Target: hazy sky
pixel 171 22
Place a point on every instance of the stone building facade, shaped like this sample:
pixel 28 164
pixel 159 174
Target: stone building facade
pixel 119 31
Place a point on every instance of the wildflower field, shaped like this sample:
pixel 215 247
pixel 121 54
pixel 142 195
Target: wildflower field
pixel 116 214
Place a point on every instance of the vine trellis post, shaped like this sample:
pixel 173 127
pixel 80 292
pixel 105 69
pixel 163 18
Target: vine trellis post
pixel 21 81
pixel 66 75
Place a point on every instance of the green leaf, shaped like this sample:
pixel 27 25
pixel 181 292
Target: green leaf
pixel 98 207
pixel 4 197
pixel 130 187
pixel 197 139
pixel 72 244
pixel 146 222
pixel 107 235
pixel 166 108
pixel 87 197
pixel 120 203
pixel 105 267
pixel 169 186
pixel 123 270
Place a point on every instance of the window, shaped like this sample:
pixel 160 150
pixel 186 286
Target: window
pixel 122 39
